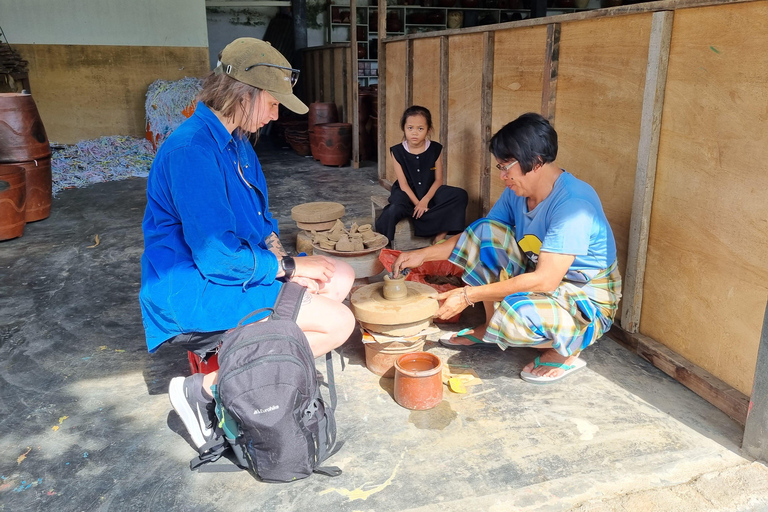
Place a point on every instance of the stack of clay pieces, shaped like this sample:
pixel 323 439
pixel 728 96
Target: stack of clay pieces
pixel 314 217
pixel 357 238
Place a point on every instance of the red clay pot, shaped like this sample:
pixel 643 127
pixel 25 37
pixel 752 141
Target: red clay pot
pixel 333 143
pixel 418 381
pixel 39 187
pixel 22 134
pixel 13 196
pixel 322 113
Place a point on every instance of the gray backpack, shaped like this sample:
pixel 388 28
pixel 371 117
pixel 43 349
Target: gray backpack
pixel 268 400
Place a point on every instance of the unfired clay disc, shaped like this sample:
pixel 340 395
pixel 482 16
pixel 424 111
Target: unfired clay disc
pixel 370 306
pixel 398 330
pixel 317 212
pixel 316 226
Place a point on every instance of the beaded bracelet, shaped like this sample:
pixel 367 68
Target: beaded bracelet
pixel 466 297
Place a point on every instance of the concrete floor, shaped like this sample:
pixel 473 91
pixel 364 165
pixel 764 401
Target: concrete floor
pixel 85 421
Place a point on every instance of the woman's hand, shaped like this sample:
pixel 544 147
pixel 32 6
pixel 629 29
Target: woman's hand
pixel 407 260
pixel 311 285
pixel 453 304
pixel 319 268
pixel 420 208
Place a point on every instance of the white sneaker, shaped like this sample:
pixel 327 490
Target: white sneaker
pixel 198 416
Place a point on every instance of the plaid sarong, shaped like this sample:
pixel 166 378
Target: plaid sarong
pixel 572 317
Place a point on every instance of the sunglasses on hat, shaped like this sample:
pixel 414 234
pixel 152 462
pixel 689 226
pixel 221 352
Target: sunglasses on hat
pixel 294 76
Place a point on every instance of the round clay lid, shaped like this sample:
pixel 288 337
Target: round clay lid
pixel 369 305
pixel 317 212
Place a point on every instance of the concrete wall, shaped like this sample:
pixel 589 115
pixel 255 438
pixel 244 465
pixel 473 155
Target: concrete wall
pixel 90 61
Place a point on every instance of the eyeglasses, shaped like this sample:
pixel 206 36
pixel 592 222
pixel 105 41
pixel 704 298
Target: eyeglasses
pixel 294 77
pixel 507 167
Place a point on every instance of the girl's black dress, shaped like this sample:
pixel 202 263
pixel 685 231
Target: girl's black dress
pixel 446 209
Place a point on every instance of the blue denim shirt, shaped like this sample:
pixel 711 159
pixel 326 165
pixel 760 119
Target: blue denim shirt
pixel 205 263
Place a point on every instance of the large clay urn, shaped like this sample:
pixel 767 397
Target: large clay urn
pixel 22 134
pixel 38 186
pixel 13 197
pixel 322 113
pixel 333 143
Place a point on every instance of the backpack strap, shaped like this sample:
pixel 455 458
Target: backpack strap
pixel 331 380
pixel 212 451
pixel 254 313
pixel 289 300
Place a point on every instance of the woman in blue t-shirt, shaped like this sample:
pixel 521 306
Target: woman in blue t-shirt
pixel 543 262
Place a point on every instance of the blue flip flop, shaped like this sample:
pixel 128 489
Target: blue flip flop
pixel 577 365
pixel 476 342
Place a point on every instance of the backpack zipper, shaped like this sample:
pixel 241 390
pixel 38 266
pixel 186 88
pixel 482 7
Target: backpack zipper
pixel 263 360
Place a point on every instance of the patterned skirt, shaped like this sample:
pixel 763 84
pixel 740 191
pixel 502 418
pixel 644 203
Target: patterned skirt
pixel 571 318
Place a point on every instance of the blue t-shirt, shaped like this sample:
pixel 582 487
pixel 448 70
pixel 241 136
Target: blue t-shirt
pixel 569 221
pixel 205 263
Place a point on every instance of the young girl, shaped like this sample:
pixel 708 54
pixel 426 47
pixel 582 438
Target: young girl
pixel 437 209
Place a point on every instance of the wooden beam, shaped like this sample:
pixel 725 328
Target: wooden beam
pixel 384 182
pixel 444 56
pixel 299 13
pixel 729 400
pixel 551 61
pixel 755 442
pixel 355 85
pixel 645 175
pixel 667 5
pixel 408 74
pixel 382 128
pixel 486 119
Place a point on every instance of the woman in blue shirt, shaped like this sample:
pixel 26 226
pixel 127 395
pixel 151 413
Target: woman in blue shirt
pixel 211 249
pixel 543 262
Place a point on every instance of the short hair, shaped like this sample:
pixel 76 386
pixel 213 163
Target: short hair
pixel 529 139
pixel 225 95
pixel 416 110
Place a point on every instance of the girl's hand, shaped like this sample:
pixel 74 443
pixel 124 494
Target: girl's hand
pixel 453 304
pixel 407 260
pixel 319 268
pixel 420 209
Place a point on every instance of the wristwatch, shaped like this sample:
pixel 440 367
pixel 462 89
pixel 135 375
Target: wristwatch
pixel 288 266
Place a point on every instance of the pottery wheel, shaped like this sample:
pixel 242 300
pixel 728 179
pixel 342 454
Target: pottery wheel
pixel 317 212
pixel 370 306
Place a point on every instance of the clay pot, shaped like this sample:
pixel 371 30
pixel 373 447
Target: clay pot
pixel 394 289
pixel 13 196
pixel 313 141
pixel 455 19
pixel 321 113
pixel 393 23
pixel 446 3
pixel 334 143
pixel 418 381
pixel 380 357
pixel 39 188
pixel 361 35
pixel 361 53
pixel 470 3
pixel 22 134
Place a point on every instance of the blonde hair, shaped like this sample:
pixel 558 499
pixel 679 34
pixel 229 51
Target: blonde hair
pixel 226 95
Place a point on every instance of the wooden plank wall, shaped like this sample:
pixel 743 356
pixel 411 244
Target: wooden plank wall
pixel 426 81
pixel 463 143
pixel 323 77
pixel 619 94
pixel 706 278
pixel 597 114
pixel 396 77
pixel 518 74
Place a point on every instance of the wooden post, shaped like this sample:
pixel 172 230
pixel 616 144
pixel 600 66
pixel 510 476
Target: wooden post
pixel 645 175
pixel 355 85
pixel 382 128
pixel 299 11
pixel 551 60
pixel 486 119
pixel 755 442
pixel 444 56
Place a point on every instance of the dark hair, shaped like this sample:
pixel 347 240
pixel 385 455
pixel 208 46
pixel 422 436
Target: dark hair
pixel 416 110
pixel 529 139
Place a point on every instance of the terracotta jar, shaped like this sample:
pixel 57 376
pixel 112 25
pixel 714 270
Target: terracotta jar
pixel 455 19
pixel 320 113
pixel 418 381
pixel 333 143
pixel 39 188
pixel 394 289
pixel 22 134
pixel 13 196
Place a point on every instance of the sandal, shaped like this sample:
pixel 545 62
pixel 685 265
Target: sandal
pixel 577 365
pixel 476 342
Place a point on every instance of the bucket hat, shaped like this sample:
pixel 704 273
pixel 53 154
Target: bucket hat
pixel 256 63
